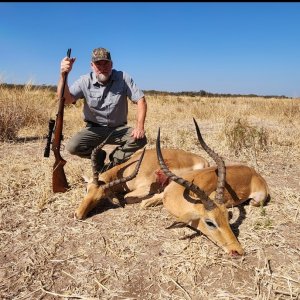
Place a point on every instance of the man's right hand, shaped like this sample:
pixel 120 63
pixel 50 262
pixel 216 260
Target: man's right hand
pixel 66 64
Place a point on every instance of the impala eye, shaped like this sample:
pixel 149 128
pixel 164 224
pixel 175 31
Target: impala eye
pixel 210 224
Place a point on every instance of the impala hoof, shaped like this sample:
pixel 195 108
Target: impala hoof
pixel 77 216
pixel 255 202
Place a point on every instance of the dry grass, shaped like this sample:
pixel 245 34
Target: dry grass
pixel 23 108
pixel 127 253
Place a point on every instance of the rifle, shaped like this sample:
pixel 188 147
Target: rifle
pixel 59 180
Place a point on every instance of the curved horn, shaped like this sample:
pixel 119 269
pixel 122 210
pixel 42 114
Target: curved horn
pixel 93 159
pixel 122 180
pixel 220 164
pixel 190 186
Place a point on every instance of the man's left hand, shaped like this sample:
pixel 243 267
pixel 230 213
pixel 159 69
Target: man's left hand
pixel 138 133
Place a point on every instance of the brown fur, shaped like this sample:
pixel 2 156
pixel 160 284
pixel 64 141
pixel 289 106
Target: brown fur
pixel 241 183
pixel 144 186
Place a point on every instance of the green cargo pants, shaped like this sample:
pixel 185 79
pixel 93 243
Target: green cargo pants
pixel 83 143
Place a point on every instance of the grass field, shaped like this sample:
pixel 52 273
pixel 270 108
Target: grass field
pixel 128 253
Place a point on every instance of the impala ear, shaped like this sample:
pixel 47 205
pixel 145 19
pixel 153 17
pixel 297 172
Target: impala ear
pixel 212 196
pixel 189 217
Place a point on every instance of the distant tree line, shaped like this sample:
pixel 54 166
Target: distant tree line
pixel 21 86
pixel 200 93
pixel 203 93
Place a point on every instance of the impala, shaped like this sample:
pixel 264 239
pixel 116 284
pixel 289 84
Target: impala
pixel 140 178
pixel 200 198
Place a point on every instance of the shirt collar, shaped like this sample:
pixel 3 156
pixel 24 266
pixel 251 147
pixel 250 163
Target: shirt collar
pixel 95 81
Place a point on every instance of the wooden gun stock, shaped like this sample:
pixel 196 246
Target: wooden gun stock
pixel 59 180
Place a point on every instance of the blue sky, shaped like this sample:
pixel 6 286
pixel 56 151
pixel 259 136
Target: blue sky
pixel 237 48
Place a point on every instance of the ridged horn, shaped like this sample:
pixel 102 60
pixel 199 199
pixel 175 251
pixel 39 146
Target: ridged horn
pixel 94 156
pixel 188 185
pixel 220 164
pixel 122 180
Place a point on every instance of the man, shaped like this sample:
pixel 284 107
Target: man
pixel 105 91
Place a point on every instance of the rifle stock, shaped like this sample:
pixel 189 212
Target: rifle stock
pixel 59 180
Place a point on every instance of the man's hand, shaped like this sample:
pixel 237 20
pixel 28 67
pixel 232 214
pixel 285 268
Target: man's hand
pixel 138 133
pixel 65 67
pixel 67 64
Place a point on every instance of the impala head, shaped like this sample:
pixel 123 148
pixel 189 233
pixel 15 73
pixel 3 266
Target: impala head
pixel 214 224
pixel 97 189
pixel 209 215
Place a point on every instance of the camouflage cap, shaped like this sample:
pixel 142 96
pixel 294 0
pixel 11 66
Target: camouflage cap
pixel 100 54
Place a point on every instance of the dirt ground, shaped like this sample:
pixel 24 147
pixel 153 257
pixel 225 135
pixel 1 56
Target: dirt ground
pixel 129 252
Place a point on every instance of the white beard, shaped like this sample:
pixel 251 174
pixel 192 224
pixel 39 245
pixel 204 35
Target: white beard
pixel 102 77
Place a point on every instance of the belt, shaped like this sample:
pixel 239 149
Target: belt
pixel 92 124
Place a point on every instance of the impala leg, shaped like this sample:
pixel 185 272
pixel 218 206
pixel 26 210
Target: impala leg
pixel 258 198
pixel 142 195
pixel 156 199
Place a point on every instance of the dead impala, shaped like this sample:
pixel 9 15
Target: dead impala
pixel 140 178
pixel 200 198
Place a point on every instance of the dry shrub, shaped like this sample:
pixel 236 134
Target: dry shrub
pixel 241 136
pixel 23 107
